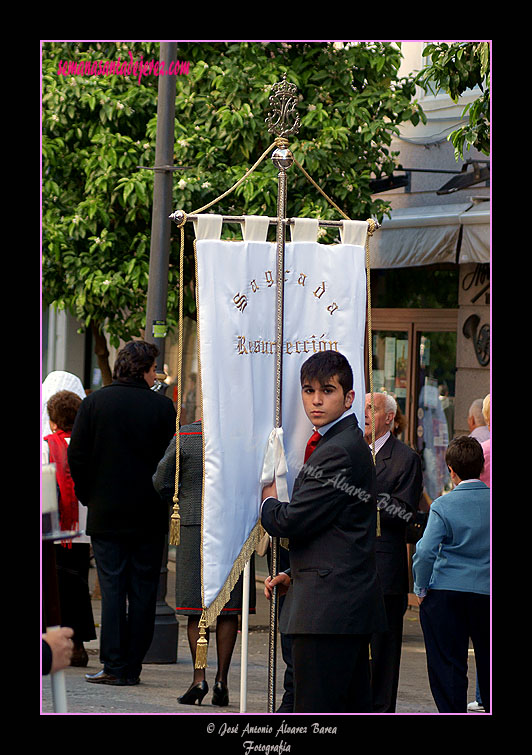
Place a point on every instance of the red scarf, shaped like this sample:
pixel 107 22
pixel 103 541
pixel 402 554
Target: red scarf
pixel 68 502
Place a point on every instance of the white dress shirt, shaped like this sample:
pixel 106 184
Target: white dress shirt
pixel 379 442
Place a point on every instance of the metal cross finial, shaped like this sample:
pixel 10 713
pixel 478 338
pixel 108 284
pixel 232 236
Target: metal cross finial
pixel 283 102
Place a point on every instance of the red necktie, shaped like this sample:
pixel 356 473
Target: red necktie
pixel 311 445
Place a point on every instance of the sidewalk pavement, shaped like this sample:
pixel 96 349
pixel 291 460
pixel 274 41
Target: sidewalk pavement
pixel 161 684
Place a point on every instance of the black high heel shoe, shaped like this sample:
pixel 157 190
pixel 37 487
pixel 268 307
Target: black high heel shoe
pixel 197 692
pixel 220 694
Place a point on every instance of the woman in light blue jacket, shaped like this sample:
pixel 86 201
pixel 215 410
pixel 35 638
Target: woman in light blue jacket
pixel 451 570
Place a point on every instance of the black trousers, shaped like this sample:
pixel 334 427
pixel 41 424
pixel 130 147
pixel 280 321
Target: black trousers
pixel 128 573
pixel 331 673
pixel 72 565
pixel 386 655
pixel 449 619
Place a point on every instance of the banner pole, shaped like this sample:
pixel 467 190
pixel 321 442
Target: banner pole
pixel 244 638
pixel 281 160
pixel 283 101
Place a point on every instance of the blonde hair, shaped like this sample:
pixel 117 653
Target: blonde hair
pixel 486 409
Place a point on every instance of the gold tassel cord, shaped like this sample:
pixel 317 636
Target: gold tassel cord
pixel 202 645
pixel 276 143
pixel 313 182
pixel 175 518
pixel 201 649
pixel 371 229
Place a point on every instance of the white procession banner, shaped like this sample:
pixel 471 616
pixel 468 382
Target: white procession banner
pixel 324 308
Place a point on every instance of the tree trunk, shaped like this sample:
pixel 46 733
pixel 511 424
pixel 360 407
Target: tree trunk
pixel 102 353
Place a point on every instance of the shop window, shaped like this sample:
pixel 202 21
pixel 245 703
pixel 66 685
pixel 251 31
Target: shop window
pixel 428 287
pixel 390 369
pixel 435 380
pixel 414 359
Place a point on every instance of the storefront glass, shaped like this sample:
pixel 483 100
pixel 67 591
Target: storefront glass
pixel 414 359
pixel 390 366
pixel 435 381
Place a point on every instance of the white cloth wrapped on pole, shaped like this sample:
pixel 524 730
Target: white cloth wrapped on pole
pixel 275 467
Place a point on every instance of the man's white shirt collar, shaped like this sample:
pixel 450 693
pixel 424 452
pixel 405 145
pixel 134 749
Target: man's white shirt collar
pixel 323 430
pixel 381 441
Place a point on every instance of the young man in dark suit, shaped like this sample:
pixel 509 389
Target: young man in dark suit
pixel 334 602
pixel 399 489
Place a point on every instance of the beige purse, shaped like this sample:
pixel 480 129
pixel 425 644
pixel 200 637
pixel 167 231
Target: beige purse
pixel 263 544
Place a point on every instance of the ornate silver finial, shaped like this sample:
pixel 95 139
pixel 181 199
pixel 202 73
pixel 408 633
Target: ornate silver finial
pixel 283 102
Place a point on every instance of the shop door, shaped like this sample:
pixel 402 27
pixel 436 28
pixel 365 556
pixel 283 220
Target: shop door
pixel 414 358
pixel 434 401
pixel 391 371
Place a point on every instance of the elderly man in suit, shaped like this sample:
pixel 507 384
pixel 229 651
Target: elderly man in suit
pixel 399 489
pixel 334 601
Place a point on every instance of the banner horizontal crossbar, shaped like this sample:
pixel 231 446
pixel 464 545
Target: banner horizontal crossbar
pixel 273 221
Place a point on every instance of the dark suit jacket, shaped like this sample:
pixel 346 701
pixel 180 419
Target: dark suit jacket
pixel 399 489
pixel 120 433
pixel 331 525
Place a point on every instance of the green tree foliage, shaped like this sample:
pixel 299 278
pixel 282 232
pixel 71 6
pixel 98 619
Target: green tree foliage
pixel 97 129
pixel 96 220
pixel 455 68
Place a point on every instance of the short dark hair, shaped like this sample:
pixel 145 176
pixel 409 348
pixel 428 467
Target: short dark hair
pixel 326 364
pixel 466 457
pixel 62 409
pixel 134 360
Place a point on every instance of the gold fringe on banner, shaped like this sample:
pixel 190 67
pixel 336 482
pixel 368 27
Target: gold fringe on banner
pixel 210 614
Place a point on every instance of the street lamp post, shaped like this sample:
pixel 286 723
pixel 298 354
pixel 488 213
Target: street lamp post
pixel 164 644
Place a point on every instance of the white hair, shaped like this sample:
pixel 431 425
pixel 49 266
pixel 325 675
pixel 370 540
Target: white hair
pixel 390 404
pixel 475 411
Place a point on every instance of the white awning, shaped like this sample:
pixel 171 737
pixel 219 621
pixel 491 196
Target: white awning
pixel 415 236
pixel 476 226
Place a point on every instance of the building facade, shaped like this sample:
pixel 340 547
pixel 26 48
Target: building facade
pixel 430 273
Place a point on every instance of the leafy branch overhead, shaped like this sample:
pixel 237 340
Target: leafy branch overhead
pixel 456 68
pixel 98 129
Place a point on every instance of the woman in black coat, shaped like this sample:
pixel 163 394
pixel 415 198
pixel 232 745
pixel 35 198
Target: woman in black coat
pixel 188 566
